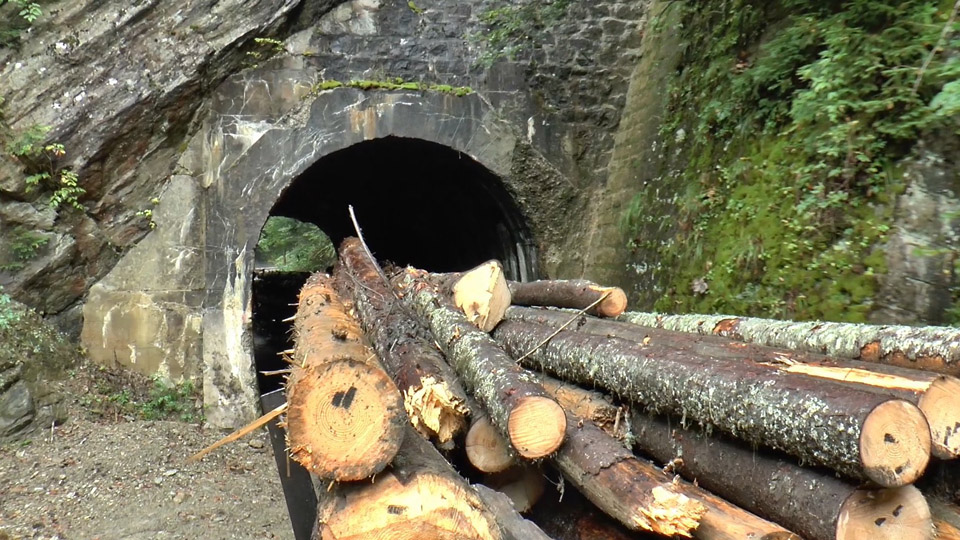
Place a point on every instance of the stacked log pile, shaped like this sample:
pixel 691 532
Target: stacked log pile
pixel 407 386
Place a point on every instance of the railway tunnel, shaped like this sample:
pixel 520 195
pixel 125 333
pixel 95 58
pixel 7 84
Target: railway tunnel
pixel 418 203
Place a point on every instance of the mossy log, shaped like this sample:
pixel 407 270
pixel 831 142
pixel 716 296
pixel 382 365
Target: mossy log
pixel 433 397
pixel 628 489
pixel 420 496
pixel 512 397
pixel 576 294
pixel 812 502
pixel 861 434
pixel 930 348
pixel 345 416
pixel 936 395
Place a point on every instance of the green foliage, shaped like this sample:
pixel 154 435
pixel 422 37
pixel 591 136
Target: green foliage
pixel 26 13
pixel 168 401
pixel 10 311
pixel 40 161
pixel 515 26
pixel 414 8
pixel 290 245
pixel 396 83
pixel 790 146
pixel 22 247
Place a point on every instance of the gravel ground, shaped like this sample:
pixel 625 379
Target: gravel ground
pixel 106 477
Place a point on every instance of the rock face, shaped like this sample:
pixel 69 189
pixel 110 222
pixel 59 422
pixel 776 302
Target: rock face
pixel 31 354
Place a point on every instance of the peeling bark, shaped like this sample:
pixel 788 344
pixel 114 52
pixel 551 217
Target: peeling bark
pixel 512 397
pixel 860 434
pixel 930 348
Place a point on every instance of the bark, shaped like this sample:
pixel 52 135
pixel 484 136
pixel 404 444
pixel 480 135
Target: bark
pixel 576 294
pixel 512 397
pixel 590 405
pixel 808 501
pixel 433 397
pixel 512 525
pixel 420 496
pixel 930 348
pixel 344 414
pixel 936 395
pixel 630 490
pixel 860 434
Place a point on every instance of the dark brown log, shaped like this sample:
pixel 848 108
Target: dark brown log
pixel 861 434
pixel 513 399
pixel 930 348
pixel 345 417
pixel 812 502
pixel 433 397
pixel 420 496
pixel 936 395
pixel 576 294
pixel 722 521
pixel 630 490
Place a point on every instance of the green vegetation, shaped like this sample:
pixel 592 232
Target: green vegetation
pixel 787 140
pixel 40 164
pixel 22 247
pixel 514 27
pixel 290 245
pixel 396 83
pixel 134 396
pixel 22 14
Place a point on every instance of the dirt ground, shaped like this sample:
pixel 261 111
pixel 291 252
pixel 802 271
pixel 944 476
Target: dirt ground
pixel 108 474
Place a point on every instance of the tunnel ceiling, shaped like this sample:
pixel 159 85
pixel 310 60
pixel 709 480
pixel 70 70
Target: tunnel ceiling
pixel 418 203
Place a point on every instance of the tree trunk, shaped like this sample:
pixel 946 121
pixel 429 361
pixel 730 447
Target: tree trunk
pixel 420 496
pixel 344 414
pixel 433 397
pixel 931 348
pixel 812 502
pixel 630 490
pixel 513 398
pixel 858 433
pixel 576 294
pixel 937 396
pixel 589 405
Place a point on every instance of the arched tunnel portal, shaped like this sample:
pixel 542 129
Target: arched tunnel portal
pixel 418 203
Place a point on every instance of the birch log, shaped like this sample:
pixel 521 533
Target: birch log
pixel 930 348
pixel 811 502
pixel 433 396
pixel 860 434
pixel 344 414
pixel 513 398
pixel 936 395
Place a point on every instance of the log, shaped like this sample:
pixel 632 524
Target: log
pixel 433 397
pixel 570 516
pixel 722 521
pixel 512 524
pixel 513 398
pixel 946 520
pixel 344 414
pixel 482 295
pixel 936 395
pixel 486 448
pixel 420 496
pixel 811 502
pixel 522 484
pixel 932 348
pixel 576 294
pixel 632 491
pixel 590 405
pixel 860 434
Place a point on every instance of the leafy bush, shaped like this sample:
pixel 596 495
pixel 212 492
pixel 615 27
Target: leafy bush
pixel 290 245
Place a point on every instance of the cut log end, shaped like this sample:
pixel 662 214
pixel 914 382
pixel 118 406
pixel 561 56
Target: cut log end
pixel 523 485
pixel 614 304
pixel 885 514
pixel 483 295
pixel 428 506
pixel 537 426
pixel 486 449
pixel 671 514
pixel 345 413
pixel 941 405
pixel 895 443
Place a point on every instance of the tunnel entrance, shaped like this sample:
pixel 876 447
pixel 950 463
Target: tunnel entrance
pixel 418 203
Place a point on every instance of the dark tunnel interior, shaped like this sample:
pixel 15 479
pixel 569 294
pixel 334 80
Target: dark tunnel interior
pixel 418 203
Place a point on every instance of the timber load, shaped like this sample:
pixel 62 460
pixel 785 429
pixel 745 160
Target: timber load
pixel 464 406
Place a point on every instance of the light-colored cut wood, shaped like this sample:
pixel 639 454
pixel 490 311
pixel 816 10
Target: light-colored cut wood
pixel 895 443
pixel 886 514
pixel 482 295
pixel 486 449
pixel 536 426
